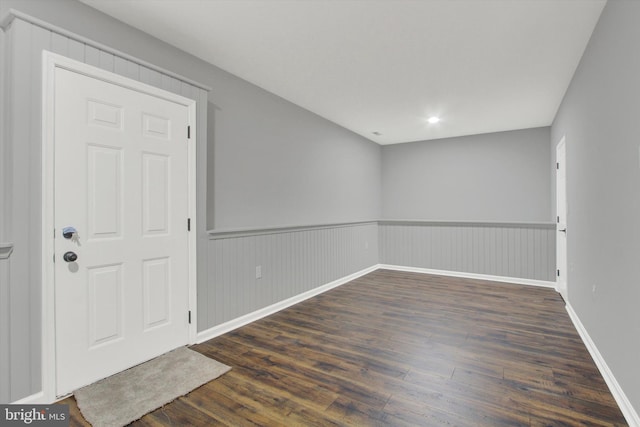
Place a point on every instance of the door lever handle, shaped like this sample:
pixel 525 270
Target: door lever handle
pixel 564 230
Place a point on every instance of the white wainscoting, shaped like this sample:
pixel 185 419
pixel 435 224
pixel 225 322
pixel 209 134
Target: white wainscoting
pixel 281 305
pixel 292 261
pixel 514 250
pixel 5 355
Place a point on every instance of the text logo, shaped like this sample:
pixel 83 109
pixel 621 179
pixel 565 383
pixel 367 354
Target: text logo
pixel 34 415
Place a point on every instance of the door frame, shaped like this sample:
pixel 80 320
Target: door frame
pixel 51 61
pixel 562 146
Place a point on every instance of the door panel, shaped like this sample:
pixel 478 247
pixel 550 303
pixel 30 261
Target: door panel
pixel 156 194
pixel 105 304
pixel 157 310
pixel 121 180
pixel 101 114
pixel 157 127
pixel 105 191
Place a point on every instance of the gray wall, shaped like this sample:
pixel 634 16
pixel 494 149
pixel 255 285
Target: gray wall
pixel 492 177
pixel 270 141
pixel 276 164
pixel 293 261
pixel 517 250
pixel 270 163
pixel 261 143
pixel 599 116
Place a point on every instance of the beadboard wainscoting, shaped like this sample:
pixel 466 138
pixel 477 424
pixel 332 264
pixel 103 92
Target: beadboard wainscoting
pixel 5 253
pixel 252 270
pixel 512 250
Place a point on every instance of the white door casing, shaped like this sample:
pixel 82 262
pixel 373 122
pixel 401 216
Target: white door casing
pixel 122 171
pixel 561 219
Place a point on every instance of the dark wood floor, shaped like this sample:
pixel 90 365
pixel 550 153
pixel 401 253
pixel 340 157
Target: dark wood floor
pixel 403 349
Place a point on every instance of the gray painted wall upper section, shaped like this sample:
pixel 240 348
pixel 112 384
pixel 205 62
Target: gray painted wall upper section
pixel 272 163
pixel 275 164
pixel 599 117
pixel 239 106
pixel 492 177
pixel 259 144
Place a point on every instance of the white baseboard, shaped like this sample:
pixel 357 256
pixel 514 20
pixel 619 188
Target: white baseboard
pixel 34 399
pixel 627 409
pixel 274 308
pixel 516 280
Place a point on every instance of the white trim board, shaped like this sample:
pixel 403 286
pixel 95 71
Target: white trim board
pixel 12 14
pixel 274 308
pixel 632 417
pixel 629 413
pixel 504 279
pixel 215 234
pixel 239 232
pixel 34 399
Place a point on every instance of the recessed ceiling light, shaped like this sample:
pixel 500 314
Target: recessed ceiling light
pixel 433 120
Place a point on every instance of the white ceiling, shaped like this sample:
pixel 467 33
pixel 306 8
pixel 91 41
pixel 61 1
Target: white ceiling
pixel 387 65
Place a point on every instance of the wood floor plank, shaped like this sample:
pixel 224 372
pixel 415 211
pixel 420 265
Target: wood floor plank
pixel 402 349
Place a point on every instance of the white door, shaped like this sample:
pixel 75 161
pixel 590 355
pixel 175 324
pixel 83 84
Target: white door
pixel 121 180
pixel 561 220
